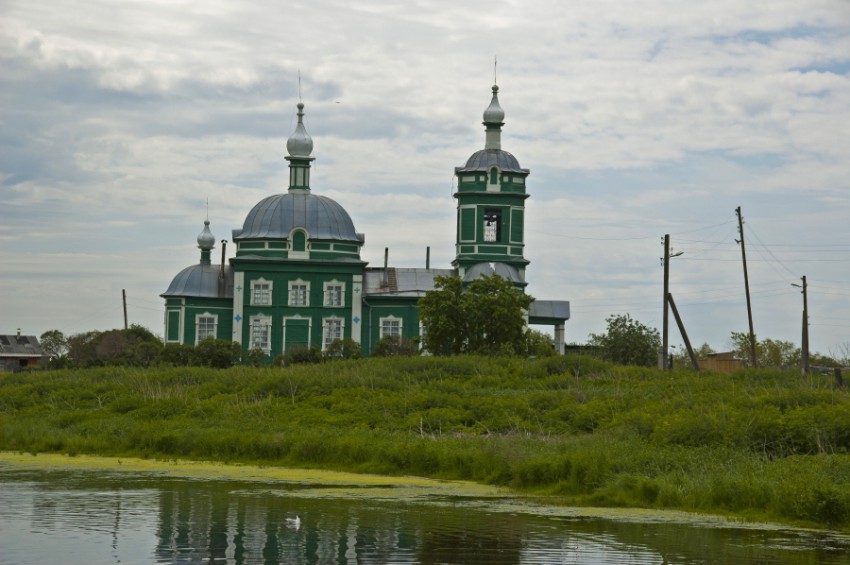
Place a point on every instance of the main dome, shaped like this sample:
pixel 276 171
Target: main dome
pixel 276 216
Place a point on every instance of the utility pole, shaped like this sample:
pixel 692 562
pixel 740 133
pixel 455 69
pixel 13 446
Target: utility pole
pixel 747 288
pixel 665 332
pixel 662 364
pixel 804 350
pixel 124 300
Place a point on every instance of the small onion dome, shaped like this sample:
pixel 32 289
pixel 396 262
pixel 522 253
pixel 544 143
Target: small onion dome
pixel 300 144
pixel 206 240
pixel 494 113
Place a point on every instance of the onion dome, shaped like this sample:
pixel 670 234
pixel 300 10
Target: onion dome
pixel 494 113
pixel 276 216
pixel 492 155
pixel 204 279
pixel 300 144
pixel 206 240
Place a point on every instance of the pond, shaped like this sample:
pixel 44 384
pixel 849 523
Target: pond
pixel 131 517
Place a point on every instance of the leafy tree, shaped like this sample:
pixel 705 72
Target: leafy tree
pixel 216 353
pixel 343 349
pixel 628 342
pixel 309 355
pixel 681 359
pixel 442 314
pixel 82 349
pixel 487 317
pixel 395 346
pixel 496 312
pixel 256 358
pixel 769 352
pixel 53 343
pixel 540 344
pixel 176 354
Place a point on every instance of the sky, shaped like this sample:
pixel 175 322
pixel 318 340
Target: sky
pixel 125 124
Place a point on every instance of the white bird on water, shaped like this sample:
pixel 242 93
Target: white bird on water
pixel 294 522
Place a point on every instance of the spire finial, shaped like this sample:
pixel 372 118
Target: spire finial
pixel 495 62
pixel 299 85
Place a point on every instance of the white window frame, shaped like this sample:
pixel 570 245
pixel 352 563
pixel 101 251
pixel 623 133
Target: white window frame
pixel 339 331
pixel 205 316
pixel 389 320
pixel 327 293
pixel 294 300
pixel 256 288
pixel 257 324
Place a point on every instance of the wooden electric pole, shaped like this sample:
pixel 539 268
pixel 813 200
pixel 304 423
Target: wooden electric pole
pixel 662 363
pixel 747 288
pixel 124 300
pixel 804 361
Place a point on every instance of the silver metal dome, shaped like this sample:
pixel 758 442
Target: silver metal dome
pixel 300 144
pixel 504 270
pixel 206 240
pixel 276 216
pixel 201 281
pixel 485 159
pixel 494 113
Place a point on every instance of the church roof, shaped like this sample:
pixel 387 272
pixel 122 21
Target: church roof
pixel 201 281
pixel 504 270
pixel 486 158
pixel 276 216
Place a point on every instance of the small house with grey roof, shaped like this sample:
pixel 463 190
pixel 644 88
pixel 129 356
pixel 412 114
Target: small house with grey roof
pixel 297 279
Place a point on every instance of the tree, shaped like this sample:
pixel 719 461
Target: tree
pixel 54 344
pixel 488 317
pixel 441 314
pixel 343 349
pixel 216 353
pixel 628 342
pixel 769 352
pixel 395 346
pixel 540 344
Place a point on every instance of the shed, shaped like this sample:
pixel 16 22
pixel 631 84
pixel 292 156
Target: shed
pixel 18 352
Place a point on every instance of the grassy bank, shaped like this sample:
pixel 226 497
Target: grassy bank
pixel 762 444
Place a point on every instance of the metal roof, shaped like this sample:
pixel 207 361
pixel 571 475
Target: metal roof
pixel 504 270
pixel 551 309
pixel 201 281
pixel 401 282
pixel 276 216
pixel 16 345
pixel 485 159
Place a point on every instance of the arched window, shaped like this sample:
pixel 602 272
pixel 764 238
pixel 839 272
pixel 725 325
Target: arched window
pixel 299 241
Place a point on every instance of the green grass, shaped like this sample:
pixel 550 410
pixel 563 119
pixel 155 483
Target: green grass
pixel 761 444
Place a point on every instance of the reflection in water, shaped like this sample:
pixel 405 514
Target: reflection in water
pixel 109 518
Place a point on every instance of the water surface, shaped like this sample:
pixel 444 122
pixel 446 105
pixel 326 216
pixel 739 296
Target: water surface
pixel 98 516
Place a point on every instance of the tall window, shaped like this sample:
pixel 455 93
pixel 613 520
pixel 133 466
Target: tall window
pixel 390 326
pixel 261 292
pixel 261 333
pixel 204 327
pixel 492 224
pixel 332 331
pixel 299 293
pixel 334 294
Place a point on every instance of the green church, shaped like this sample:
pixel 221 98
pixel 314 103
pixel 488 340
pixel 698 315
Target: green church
pixel 297 279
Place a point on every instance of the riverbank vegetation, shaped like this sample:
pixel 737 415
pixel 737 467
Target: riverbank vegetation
pixel 760 444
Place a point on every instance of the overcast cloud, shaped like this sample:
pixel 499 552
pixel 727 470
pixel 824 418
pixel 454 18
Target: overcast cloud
pixel 637 119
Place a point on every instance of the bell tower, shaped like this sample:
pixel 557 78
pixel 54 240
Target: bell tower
pixel 491 193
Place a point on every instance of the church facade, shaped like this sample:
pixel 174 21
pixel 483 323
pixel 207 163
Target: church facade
pixel 297 279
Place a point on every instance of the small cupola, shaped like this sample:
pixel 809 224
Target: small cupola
pixel 206 242
pixel 300 147
pixel 494 119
